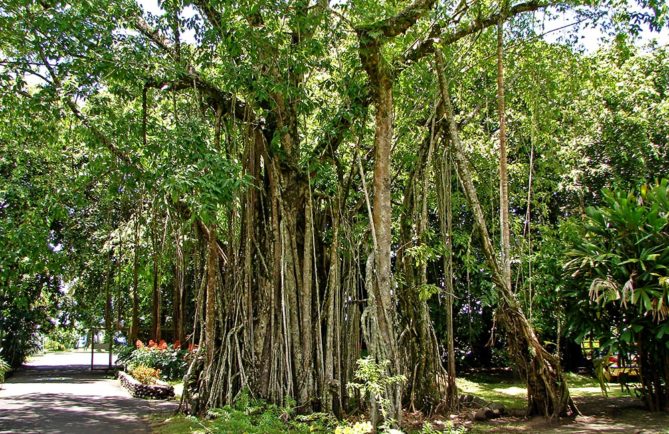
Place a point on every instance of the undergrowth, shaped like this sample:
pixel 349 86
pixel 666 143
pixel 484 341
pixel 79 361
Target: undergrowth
pixel 249 415
pixel 4 369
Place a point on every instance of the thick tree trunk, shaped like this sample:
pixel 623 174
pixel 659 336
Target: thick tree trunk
pixel 547 390
pixel 371 39
pixel 381 84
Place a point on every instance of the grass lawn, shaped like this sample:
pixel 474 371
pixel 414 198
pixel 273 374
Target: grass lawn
pixel 512 392
pixel 179 424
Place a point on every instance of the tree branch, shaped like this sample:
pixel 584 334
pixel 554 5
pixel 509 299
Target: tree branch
pixel 191 78
pixel 399 23
pixel 213 16
pixel 77 113
pixel 449 36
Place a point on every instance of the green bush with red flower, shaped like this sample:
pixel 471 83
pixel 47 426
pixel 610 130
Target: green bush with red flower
pixel 169 359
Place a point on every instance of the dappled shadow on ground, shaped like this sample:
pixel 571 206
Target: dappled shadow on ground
pixel 28 369
pixel 65 396
pixel 56 413
pixel 76 374
pixel 599 415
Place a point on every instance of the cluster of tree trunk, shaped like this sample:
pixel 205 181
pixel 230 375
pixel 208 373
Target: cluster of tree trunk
pixel 288 311
pixel 288 295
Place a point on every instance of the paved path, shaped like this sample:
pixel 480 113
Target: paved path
pixel 57 393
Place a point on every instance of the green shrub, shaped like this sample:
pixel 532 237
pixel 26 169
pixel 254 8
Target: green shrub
pixel 145 374
pixel 620 286
pixel 19 338
pixel 250 415
pixel 449 429
pixel 123 354
pixel 171 362
pixel 4 368
pixel 356 428
pixel 61 339
pixel 51 345
pixel 373 382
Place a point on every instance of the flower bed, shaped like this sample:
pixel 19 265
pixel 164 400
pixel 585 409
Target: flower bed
pixel 170 360
pixel 159 390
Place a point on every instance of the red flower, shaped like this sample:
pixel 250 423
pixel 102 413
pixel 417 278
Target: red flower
pixel 162 345
pixel 176 345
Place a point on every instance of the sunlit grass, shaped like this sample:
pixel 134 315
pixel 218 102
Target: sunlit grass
pixel 513 393
pixel 582 385
pixel 180 424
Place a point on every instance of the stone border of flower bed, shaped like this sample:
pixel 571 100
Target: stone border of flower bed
pixel 151 391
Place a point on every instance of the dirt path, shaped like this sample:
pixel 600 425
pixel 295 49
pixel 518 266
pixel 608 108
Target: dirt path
pixel 57 393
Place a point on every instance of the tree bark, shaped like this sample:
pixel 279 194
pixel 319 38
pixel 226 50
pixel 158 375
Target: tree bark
pixel 381 83
pixel 381 86
pixel 444 186
pixel 330 386
pixel 212 282
pixel 305 380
